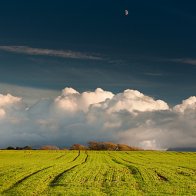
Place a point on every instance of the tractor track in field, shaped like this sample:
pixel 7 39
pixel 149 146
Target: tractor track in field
pixel 132 162
pixel 59 176
pixel 71 160
pixel 160 176
pixel 133 170
pixel 24 178
pixel 191 169
pixel 75 157
pixel 60 157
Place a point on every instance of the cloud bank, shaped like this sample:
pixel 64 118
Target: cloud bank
pixel 49 52
pixel 128 117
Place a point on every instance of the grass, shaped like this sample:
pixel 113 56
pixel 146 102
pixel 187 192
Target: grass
pixel 97 173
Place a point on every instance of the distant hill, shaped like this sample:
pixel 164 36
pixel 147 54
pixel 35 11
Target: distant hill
pixel 181 149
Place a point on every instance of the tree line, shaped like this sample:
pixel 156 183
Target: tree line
pixel 91 145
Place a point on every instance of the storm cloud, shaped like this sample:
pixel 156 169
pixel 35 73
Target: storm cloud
pixel 128 117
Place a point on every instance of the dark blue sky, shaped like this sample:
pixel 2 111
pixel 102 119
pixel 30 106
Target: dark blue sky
pixel 152 50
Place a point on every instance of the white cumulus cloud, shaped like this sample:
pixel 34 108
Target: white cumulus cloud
pixel 6 102
pixel 134 101
pixel 73 101
pixel 188 104
pixel 76 117
pixel 8 99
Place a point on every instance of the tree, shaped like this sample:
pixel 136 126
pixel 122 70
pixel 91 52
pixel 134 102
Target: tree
pixel 124 147
pixel 18 148
pixel 27 148
pixel 10 148
pixel 91 145
pixel 108 146
pixel 78 147
pixel 49 147
pixel 94 145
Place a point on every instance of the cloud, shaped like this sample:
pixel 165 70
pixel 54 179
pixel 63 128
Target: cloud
pixel 49 52
pixel 73 101
pixel 128 117
pixel 185 61
pixel 133 101
pixel 187 105
pixel 6 102
pixel 29 95
pixel 2 113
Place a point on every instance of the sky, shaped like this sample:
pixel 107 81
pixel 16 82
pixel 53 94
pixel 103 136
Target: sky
pixel 47 47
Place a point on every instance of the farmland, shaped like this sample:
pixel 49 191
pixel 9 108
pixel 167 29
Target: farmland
pixel 97 173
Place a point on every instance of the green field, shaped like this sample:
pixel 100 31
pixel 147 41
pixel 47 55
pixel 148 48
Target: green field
pixel 97 173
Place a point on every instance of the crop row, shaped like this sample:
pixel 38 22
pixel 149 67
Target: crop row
pixel 97 173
